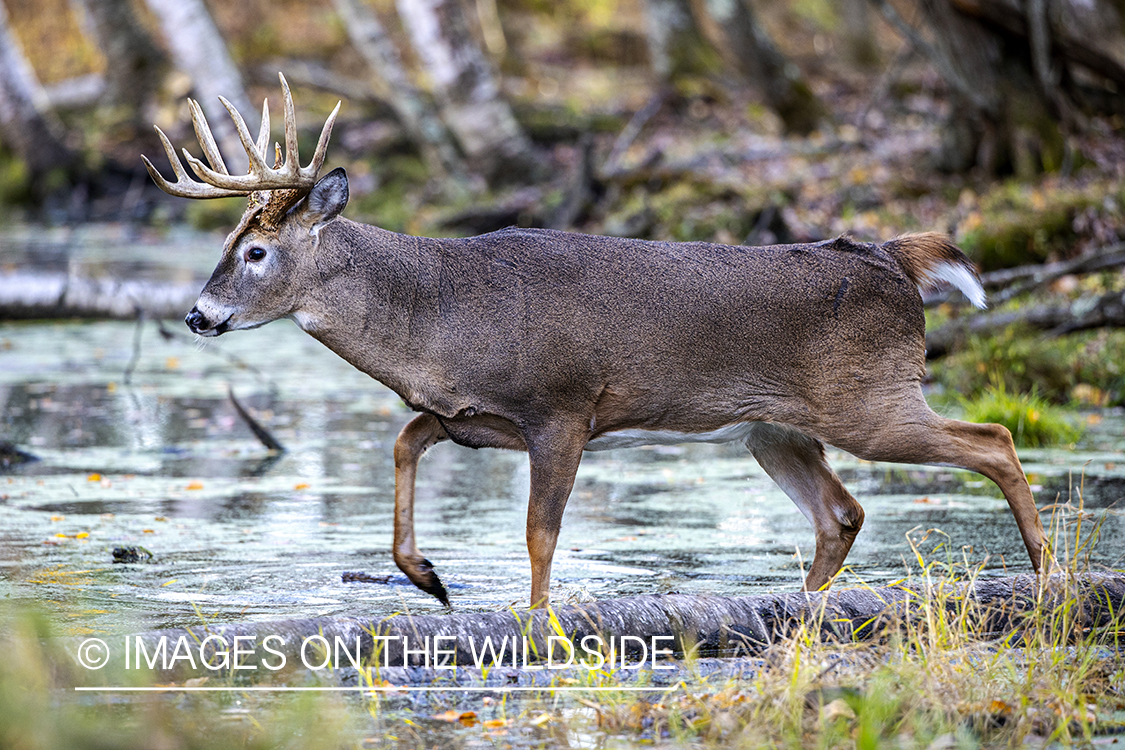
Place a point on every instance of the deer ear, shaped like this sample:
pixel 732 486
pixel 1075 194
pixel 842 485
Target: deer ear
pixel 327 198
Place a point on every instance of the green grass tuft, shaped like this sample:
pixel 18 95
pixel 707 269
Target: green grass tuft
pixel 1032 421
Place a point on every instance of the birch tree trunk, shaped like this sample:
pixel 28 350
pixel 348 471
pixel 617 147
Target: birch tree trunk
pixel 26 125
pixel 421 121
pixel 133 61
pixel 677 45
pixel 758 58
pixel 471 104
pixel 198 50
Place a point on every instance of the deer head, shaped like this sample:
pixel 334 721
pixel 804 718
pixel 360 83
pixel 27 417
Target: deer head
pixel 265 258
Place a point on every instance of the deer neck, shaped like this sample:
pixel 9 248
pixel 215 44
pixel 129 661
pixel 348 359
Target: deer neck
pixel 371 302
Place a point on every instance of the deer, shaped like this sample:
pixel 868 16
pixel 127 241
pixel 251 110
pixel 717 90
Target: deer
pixel 555 343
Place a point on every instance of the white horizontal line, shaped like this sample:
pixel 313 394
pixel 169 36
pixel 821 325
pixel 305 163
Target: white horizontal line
pixel 362 689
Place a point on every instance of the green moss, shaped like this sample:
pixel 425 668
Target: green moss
pixel 15 183
pixel 1084 368
pixel 689 212
pixel 1018 224
pixel 1032 420
pixel 392 205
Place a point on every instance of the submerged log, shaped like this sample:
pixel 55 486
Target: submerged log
pixel 624 632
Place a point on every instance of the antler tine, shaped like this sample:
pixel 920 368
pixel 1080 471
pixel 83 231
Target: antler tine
pixel 217 181
pixel 206 139
pixel 322 144
pixel 184 186
pixel 292 155
pixel 264 131
pixel 258 177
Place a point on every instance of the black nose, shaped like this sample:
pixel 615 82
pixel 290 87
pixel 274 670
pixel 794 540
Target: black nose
pixel 196 322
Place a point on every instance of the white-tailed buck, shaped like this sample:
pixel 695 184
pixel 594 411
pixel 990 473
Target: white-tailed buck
pixel 554 343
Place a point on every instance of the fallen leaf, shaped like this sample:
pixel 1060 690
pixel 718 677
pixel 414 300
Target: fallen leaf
pixel 94 478
pixel 196 485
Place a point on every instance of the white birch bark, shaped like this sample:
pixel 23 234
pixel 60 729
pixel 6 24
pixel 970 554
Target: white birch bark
pixel 418 117
pixel 199 50
pixel 472 107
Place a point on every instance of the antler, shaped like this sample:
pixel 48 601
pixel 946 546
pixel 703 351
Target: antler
pixel 217 181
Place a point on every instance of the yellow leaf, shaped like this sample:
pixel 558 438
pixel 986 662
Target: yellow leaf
pixel 301 486
pixel 94 478
pixel 196 485
pixel 168 583
pixel 82 535
pixel 541 719
pixel 58 518
pixel 999 707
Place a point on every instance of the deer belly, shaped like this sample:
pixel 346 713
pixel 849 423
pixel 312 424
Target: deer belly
pixel 632 438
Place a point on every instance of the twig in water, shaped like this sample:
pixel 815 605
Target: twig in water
pixel 129 368
pixel 260 432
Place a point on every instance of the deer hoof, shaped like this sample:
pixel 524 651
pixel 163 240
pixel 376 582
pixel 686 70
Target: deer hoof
pixel 421 573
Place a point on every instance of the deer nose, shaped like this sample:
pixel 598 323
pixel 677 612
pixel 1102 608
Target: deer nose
pixel 196 322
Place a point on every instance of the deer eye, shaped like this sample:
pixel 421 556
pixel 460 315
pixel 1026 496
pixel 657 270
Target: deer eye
pixel 255 254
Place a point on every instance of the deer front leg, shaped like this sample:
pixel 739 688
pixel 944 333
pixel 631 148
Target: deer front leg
pixel 554 461
pixel 417 436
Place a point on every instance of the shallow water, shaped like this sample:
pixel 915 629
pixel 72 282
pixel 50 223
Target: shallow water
pixel 164 462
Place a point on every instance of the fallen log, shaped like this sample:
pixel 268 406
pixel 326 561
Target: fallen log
pixel 29 295
pixel 1106 311
pixel 623 633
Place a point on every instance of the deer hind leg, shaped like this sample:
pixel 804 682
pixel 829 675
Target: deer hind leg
pixel 908 431
pixel 416 437
pixel 796 463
